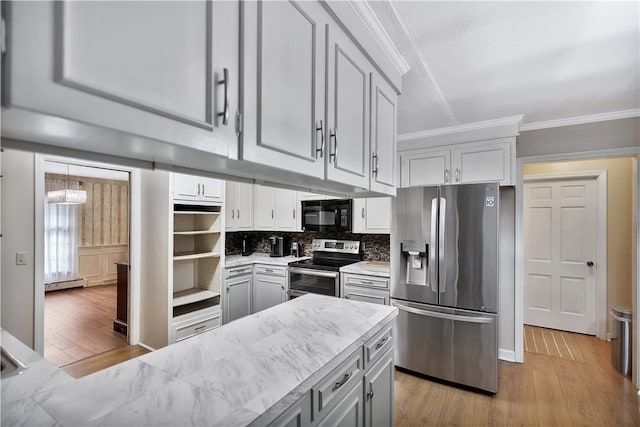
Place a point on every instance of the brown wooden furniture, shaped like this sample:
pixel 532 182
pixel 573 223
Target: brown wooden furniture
pixel 120 322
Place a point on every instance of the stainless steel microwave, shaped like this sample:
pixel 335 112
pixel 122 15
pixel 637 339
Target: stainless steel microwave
pixel 327 215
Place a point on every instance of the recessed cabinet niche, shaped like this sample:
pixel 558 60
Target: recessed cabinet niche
pixel 182 262
pixel 196 254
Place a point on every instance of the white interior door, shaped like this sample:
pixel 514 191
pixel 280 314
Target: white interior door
pixel 560 226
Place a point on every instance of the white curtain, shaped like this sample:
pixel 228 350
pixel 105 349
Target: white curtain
pixel 60 243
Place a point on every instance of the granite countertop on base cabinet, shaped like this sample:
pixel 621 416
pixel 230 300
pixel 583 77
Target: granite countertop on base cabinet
pixel 246 372
pixel 370 268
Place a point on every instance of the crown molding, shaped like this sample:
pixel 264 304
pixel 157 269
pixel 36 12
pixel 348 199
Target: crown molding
pixel 593 118
pixel 477 131
pixel 368 16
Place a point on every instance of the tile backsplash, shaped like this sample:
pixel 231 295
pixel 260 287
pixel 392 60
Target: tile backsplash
pixel 376 246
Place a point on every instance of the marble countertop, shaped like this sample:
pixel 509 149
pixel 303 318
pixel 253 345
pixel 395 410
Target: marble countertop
pixel 371 268
pixel 245 372
pixel 259 258
pixel 18 408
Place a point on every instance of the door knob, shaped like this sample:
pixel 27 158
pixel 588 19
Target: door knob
pixel 589 263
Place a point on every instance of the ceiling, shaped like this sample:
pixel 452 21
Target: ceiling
pixel 549 61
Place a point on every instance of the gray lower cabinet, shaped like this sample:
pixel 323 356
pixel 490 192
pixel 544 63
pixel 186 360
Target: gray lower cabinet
pixel 366 288
pixel 366 295
pixel 348 412
pixel 358 392
pixel 252 288
pixel 296 416
pixel 268 291
pixel 378 389
pixel 237 298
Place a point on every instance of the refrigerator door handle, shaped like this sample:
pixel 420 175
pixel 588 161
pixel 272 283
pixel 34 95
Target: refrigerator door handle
pixel 446 316
pixel 442 285
pixel 433 277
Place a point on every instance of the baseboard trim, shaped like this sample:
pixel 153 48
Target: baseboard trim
pixel 141 344
pixel 506 355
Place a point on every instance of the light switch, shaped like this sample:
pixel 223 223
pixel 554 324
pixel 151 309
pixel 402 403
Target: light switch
pixel 21 258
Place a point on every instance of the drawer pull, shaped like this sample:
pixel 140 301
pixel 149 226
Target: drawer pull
pixel 344 379
pixel 199 328
pixel 382 342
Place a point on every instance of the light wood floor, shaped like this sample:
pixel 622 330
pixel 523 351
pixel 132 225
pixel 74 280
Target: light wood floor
pixel 103 360
pixel 79 323
pixel 544 391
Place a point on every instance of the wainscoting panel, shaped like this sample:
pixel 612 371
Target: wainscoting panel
pixel 97 263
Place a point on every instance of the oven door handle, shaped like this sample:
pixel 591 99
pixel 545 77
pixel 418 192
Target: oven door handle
pixel 292 293
pixel 310 272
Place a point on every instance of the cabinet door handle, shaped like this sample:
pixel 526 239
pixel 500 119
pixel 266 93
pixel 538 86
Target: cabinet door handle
pixel 375 170
pixel 370 392
pixel 233 213
pixel 294 213
pixel 457 175
pixel 382 342
pixel 225 81
pixel 321 130
pixel 203 189
pixel 446 175
pixel 271 213
pixel 334 135
pixel 238 213
pixel 344 379
pixel 362 213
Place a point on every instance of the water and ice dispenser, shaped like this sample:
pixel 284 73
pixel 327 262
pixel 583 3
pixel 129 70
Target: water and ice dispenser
pixel 415 267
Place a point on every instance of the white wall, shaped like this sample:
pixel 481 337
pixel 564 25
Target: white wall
pixel 17 286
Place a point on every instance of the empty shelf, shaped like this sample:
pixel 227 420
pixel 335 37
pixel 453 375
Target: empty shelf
pixel 193 233
pixel 192 295
pixel 191 255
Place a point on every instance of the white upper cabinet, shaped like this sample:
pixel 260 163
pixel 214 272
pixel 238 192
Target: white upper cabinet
pixel 150 69
pixel 372 215
pixel 425 167
pixel 308 104
pixel 384 102
pixel 264 207
pixel 286 214
pixel 284 60
pixel 275 209
pixel 239 206
pixel 348 111
pixel 489 162
pixel 459 164
pixel 190 188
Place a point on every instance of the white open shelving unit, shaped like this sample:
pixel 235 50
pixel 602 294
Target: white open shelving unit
pixel 198 239
pixel 181 273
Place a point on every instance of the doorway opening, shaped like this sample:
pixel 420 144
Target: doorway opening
pixel 85 237
pixel 577 242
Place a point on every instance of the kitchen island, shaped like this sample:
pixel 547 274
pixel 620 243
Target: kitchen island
pixel 296 361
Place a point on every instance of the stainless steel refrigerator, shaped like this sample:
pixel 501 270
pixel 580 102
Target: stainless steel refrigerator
pixel 445 274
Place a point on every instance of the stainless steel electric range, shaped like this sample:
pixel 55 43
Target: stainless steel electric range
pixel 321 274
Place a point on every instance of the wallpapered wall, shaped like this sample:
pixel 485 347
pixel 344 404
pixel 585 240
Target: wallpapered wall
pixel 104 219
pixel 376 246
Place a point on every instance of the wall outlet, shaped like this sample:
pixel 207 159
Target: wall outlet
pixel 21 258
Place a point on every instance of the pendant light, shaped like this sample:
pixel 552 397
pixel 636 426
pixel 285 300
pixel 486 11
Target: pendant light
pixel 67 196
